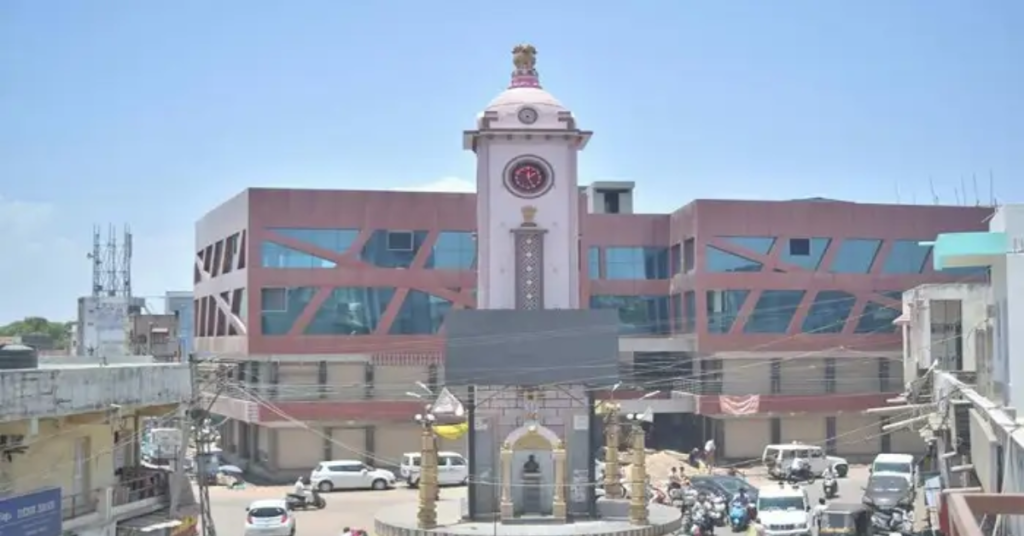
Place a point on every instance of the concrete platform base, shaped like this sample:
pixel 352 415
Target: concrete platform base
pixel 400 520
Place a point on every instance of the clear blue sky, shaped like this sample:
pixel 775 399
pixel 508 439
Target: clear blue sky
pixel 153 112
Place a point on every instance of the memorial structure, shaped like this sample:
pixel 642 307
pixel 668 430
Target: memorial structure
pixel 528 359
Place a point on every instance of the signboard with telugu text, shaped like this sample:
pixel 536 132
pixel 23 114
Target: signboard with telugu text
pixel 32 514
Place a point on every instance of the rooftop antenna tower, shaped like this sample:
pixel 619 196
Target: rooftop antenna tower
pixel 111 262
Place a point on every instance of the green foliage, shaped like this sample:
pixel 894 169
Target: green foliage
pixel 58 332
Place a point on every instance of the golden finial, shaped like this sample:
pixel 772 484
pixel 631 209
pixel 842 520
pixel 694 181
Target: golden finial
pixel 524 57
pixel 529 212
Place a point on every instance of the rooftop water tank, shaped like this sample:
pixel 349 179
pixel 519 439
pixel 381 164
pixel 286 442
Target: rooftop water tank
pixel 18 356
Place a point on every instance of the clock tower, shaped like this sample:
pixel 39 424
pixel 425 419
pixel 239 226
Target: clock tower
pixel 528 200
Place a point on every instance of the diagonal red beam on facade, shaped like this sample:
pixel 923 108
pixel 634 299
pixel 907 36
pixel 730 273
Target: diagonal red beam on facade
pixel 418 262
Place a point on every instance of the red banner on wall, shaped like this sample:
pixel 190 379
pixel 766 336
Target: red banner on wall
pixel 739 404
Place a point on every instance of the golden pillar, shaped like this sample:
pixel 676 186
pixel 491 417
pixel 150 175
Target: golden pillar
pixel 507 509
pixel 612 471
pixel 558 508
pixel 427 514
pixel 638 493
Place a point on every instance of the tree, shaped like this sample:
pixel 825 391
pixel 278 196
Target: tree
pixel 58 332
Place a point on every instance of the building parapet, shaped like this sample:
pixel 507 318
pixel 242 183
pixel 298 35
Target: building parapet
pixel 70 386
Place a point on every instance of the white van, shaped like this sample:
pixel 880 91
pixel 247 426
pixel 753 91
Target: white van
pixel 899 464
pixel 452 469
pixel 777 457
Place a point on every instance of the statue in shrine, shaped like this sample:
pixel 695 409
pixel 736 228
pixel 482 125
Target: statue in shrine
pixel 531 467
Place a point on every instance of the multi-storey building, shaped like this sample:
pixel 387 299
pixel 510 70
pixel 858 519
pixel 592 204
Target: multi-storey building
pixel 180 303
pixel 755 322
pixel 70 460
pixel 336 302
pixel 959 346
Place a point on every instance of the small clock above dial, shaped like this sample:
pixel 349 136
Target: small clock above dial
pixel 528 178
pixel 528 116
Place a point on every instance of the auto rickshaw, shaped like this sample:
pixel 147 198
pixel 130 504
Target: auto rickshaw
pixel 847 519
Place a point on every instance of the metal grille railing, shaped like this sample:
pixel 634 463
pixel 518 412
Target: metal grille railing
pixel 140 487
pixel 73 506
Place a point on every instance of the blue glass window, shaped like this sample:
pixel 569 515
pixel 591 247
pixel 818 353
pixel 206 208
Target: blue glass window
pixel 689 311
pixel 280 307
pixel 351 311
pixel 393 249
pixel 277 256
pixel 757 244
pixel 855 256
pixel 805 252
pixel 677 313
pixel 829 312
pixel 420 314
pixel 906 257
pixel 339 240
pixel 594 262
pixel 877 318
pixel 637 314
pixel 774 311
pixel 675 259
pixel 722 261
pixel 454 250
pixel 636 263
pixel 969 272
pixel 723 307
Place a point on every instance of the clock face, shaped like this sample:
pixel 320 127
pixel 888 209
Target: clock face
pixel 528 179
pixel 527 116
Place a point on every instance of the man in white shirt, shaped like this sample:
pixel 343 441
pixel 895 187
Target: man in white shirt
pixel 798 466
pixel 709 454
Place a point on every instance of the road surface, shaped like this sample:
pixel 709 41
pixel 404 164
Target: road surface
pixel 357 509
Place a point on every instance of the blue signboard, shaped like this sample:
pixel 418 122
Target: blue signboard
pixel 33 514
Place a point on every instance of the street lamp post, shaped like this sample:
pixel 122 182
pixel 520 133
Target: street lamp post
pixel 638 512
pixel 427 514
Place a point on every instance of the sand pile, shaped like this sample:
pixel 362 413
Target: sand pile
pixel 660 464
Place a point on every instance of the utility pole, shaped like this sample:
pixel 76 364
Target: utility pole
pixel 202 438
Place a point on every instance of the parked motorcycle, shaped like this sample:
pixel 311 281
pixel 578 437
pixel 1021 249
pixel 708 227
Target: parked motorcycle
pixel 830 487
pixel 893 522
pixel 312 501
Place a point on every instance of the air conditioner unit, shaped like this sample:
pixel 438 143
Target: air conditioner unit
pixel 400 241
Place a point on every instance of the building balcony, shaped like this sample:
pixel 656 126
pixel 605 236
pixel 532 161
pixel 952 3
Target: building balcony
pixel 967 250
pixel 71 386
pixel 139 493
pixel 82 504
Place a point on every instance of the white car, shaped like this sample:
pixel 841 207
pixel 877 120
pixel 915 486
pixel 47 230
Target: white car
pixel 350 474
pixel 777 457
pixel 452 469
pixel 784 510
pixel 900 464
pixel 269 517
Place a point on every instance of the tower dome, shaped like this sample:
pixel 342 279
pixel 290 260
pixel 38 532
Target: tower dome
pixel 524 104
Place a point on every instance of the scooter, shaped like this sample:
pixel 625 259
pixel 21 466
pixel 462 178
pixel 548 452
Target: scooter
pixel 738 519
pixel 314 501
pixel 830 488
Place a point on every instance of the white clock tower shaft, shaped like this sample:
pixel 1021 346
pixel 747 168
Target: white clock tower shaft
pixel 528 200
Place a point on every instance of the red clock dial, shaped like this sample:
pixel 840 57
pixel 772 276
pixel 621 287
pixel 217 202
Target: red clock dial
pixel 528 179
